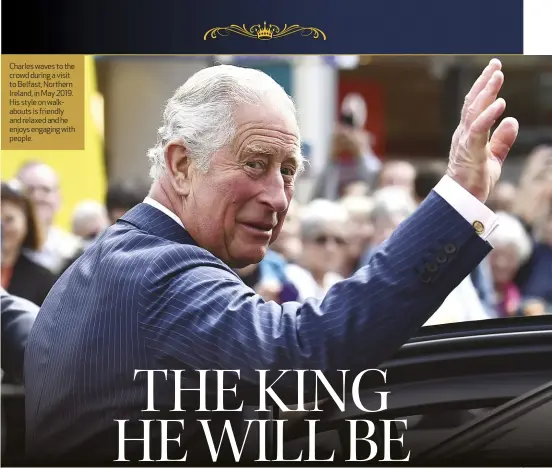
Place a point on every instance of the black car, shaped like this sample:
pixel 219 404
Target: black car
pixel 471 394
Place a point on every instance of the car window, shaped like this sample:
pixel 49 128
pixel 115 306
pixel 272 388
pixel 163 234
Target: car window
pixel 427 429
pixel 527 437
pixel 517 433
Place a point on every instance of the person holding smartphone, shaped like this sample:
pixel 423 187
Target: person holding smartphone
pixel 351 160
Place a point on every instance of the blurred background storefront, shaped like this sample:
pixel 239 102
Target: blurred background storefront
pixel 409 104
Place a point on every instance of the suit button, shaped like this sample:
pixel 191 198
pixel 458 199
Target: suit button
pixel 450 248
pixel 426 276
pixel 441 259
pixel 431 267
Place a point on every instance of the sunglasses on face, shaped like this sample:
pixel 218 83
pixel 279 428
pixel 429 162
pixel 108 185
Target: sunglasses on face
pixel 324 239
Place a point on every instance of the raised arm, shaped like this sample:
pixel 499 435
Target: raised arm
pixel 216 321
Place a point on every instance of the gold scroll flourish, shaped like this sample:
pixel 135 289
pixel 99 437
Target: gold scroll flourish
pixel 264 32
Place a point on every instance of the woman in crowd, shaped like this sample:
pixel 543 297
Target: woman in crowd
pixel 360 231
pixel 390 206
pixel 512 248
pixel 21 233
pixel 536 280
pixel 323 226
pixel 533 207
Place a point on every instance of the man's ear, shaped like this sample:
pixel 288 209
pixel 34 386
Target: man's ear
pixel 179 167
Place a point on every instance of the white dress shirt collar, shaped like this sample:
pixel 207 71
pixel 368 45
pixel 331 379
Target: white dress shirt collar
pixel 164 209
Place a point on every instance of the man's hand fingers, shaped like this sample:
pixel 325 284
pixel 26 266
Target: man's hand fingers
pixel 478 134
pixel 485 98
pixel 504 137
pixel 480 85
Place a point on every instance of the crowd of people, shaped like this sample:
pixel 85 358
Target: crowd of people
pixel 329 238
pixel 356 204
pixel 35 252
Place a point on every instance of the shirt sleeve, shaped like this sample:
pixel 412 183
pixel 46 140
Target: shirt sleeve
pixel 483 220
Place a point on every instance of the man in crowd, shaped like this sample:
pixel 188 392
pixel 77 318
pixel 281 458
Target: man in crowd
pixel 351 161
pixel 121 197
pixel 397 174
pixel 89 220
pixel 42 184
pixel 159 290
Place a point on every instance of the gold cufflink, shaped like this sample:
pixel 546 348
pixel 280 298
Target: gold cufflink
pixel 478 226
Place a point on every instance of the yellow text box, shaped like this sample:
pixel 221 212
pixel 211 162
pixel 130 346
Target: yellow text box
pixel 43 102
pixel 81 173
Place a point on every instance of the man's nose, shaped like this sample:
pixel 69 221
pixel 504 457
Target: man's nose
pixel 274 193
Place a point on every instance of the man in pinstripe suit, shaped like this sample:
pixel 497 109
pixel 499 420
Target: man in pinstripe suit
pixel 157 290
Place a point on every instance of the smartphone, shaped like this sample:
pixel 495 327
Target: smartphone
pixel 347 119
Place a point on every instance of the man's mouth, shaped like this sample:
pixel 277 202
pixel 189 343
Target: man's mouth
pixel 260 227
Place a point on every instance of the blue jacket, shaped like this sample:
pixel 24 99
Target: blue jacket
pixel 145 296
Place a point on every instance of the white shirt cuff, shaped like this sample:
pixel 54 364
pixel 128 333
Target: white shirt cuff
pixel 483 220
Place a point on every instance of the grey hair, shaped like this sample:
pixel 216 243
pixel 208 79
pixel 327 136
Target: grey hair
pixel 86 210
pixel 320 213
pixel 201 111
pixel 358 205
pixel 389 202
pixel 510 231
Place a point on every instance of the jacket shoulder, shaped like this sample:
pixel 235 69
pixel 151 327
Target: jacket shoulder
pixel 177 259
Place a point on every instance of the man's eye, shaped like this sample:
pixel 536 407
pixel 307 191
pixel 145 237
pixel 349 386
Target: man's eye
pixel 288 171
pixel 255 164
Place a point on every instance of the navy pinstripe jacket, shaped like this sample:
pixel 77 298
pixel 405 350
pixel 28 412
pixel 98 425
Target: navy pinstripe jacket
pixel 145 296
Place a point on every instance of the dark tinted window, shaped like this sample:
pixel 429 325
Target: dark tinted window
pixel 526 438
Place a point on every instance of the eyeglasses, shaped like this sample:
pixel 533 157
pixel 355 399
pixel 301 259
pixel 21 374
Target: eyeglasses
pixel 44 189
pixel 324 239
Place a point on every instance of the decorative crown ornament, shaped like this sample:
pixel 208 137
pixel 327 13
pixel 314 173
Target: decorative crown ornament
pixel 264 32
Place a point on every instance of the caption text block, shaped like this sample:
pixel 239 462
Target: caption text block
pixel 43 102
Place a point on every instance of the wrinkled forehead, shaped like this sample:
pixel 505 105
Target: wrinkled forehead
pixel 269 128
